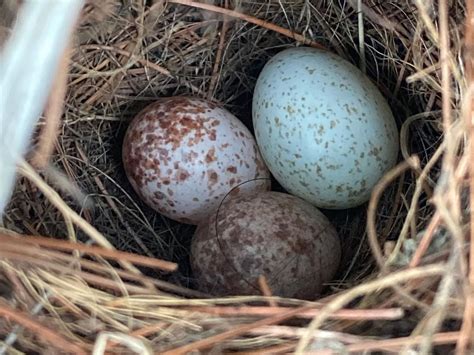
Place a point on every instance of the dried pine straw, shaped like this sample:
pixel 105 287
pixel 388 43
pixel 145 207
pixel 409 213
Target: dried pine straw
pixel 407 283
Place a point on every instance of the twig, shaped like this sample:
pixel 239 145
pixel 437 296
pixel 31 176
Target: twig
pixel 42 332
pixel 467 328
pixel 107 253
pixel 444 51
pixel 232 333
pixel 219 53
pixel 378 18
pixel 360 27
pixel 425 240
pixel 437 313
pixel 420 183
pixel 107 270
pixel 266 291
pixel 138 59
pixel 66 211
pixel 92 279
pixel 296 332
pixel 347 314
pixel 52 114
pixel 112 203
pixel 345 297
pixel 269 26
pixel 395 344
pixel 162 285
pixel 372 209
pixel 274 350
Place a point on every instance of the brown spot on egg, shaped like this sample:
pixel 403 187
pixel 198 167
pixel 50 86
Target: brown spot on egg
pixel 211 155
pixel 212 135
pixel 235 192
pixel 183 175
pixel 213 177
pixel 232 169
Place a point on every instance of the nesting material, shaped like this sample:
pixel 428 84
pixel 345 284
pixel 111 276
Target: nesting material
pixel 391 295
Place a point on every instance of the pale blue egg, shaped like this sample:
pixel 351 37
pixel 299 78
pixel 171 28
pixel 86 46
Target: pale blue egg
pixel 325 131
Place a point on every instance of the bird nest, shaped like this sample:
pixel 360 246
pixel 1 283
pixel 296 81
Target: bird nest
pixel 105 273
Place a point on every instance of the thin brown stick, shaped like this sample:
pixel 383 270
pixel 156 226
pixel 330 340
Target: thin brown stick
pixel 148 330
pixel 141 332
pixel 43 333
pixel 232 333
pixel 398 343
pixel 266 291
pixel 347 314
pixel 269 26
pixel 366 288
pixel 274 350
pixel 372 209
pixel 92 279
pixel 106 253
pixel 142 61
pixel 112 203
pixel 391 345
pixel 42 258
pixel 288 332
pixel 425 241
pixel 467 328
pixel 103 269
pixel 219 53
pixel 444 52
pixel 52 114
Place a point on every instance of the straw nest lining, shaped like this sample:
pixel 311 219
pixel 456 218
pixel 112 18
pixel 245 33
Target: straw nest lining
pixel 124 56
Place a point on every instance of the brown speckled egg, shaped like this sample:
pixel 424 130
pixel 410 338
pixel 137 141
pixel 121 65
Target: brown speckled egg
pixel 273 234
pixel 182 155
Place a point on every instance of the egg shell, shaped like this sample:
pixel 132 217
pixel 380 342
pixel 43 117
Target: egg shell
pixel 323 128
pixel 273 234
pixel 182 155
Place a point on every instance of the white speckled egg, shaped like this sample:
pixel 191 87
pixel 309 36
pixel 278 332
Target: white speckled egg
pixel 272 234
pixel 183 155
pixel 323 128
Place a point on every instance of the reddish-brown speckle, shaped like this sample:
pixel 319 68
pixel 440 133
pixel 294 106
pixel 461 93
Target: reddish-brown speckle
pixel 212 135
pixel 235 191
pixel 213 177
pixel 232 169
pixel 211 155
pixel 183 175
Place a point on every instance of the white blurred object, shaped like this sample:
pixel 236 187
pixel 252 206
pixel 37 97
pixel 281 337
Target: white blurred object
pixel 28 66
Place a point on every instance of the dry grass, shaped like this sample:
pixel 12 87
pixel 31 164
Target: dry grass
pixel 407 283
